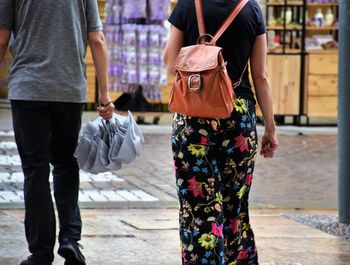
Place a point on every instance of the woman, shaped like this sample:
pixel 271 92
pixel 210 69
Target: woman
pixel 214 158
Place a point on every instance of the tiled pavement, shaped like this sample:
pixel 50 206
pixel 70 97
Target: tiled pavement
pixel 150 237
pixel 302 175
pixel 101 190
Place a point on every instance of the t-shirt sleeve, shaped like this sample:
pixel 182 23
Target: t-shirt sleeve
pixel 92 16
pixel 6 14
pixel 177 16
pixel 261 28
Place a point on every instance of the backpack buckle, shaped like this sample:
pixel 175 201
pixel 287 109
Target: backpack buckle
pixel 194 82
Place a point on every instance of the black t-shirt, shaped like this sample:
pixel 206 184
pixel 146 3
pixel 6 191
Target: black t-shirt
pixel 238 39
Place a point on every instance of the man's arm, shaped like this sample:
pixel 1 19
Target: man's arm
pixel 98 47
pixel 4 40
pixel 6 25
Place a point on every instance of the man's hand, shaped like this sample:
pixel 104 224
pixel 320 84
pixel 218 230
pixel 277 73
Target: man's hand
pixel 106 108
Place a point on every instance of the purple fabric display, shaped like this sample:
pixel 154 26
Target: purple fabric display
pixel 109 11
pixel 159 9
pixel 135 50
pixel 134 9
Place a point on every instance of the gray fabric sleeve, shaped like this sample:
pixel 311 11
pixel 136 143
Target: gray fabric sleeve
pixel 6 14
pixel 92 16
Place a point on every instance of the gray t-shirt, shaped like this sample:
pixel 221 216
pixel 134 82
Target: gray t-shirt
pixel 49 46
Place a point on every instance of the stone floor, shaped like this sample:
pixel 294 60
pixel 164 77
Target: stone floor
pixel 150 237
pixel 130 216
pixel 302 175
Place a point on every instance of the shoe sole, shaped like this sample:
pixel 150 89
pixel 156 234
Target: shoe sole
pixel 68 253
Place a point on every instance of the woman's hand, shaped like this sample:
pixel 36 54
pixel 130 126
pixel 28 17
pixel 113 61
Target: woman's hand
pixel 106 108
pixel 263 92
pixel 269 144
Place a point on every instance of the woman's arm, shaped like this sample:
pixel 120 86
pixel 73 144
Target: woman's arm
pixel 172 49
pixel 269 141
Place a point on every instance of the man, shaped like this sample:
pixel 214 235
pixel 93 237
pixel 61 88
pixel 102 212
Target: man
pixel 47 89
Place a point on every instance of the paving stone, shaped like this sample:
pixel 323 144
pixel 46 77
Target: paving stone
pixel 84 197
pixel 86 186
pixel 122 251
pixel 12 186
pixel 10 160
pixel 142 183
pixel 129 196
pixel 4 176
pixel 3 200
pixel 8 145
pixel 101 185
pixel 100 177
pixel 12 194
pixel 109 226
pixel 17 177
pixel 96 196
pixel 9 196
pixel 153 224
pixel 143 195
pixel 84 177
pixel 113 196
pixel 7 133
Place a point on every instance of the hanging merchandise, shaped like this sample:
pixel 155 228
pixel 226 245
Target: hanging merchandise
pixel 159 9
pixel 136 38
pixel 134 9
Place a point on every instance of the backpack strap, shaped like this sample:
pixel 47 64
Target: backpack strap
pixel 236 10
pixel 201 27
pixel 239 81
pixel 200 19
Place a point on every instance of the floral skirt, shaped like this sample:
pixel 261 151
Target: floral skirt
pixel 214 163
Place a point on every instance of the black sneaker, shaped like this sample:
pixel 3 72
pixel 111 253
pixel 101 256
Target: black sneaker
pixel 69 249
pixel 33 260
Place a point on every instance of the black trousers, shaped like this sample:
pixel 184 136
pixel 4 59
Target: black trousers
pixel 47 133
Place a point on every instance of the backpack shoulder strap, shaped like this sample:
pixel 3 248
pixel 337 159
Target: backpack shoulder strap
pixel 236 10
pixel 200 17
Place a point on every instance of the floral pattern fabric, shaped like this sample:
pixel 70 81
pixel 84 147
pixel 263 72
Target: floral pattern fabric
pixel 214 163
